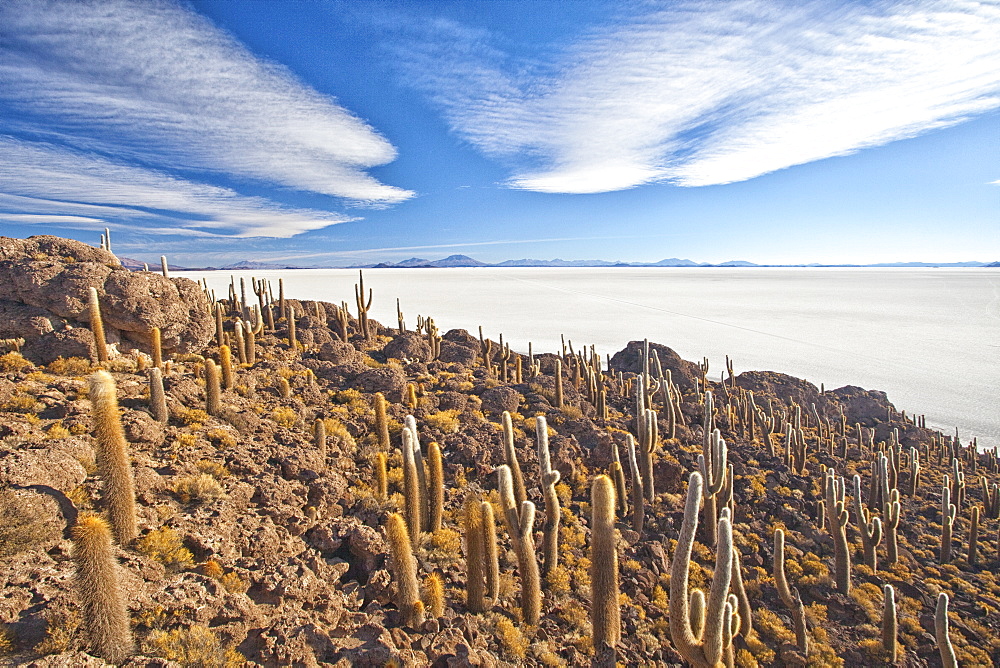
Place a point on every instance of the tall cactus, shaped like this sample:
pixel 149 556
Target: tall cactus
pixel 548 477
pixel 890 525
pixel 404 570
pixel 869 527
pixel 638 506
pixel 618 477
pixel 490 553
pixel 363 305
pixel 510 457
pixel 435 487
pixel 948 659
pixel 112 457
pixel 97 325
pixel 412 489
pixel 837 518
pixel 889 626
pixel 706 648
pixel 948 511
pixel 604 611
pixel 157 397
pixel 520 526
pixel 102 601
pixel 714 470
pixel 475 581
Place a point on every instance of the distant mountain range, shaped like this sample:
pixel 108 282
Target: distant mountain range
pixel 466 261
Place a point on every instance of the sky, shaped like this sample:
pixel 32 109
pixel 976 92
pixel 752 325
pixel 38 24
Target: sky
pixel 333 133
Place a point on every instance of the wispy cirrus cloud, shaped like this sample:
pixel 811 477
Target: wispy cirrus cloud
pixel 155 86
pixel 45 184
pixel 713 92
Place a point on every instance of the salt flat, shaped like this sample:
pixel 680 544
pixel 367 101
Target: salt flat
pixel 930 338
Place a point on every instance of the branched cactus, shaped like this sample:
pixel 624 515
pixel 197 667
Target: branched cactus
pixel 890 525
pixel 548 477
pixel 98 588
pixel 870 528
pixel 701 638
pixel 363 305
pixel 520 526
pixel 404 571
pixel 112 457
pixel 604 611
pixel 837 518
pixel 714 469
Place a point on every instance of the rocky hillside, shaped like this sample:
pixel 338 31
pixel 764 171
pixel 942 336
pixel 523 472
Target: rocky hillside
pixel 264 494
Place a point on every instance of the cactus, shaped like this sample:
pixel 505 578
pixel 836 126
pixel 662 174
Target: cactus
pixel 250 344
pixel 241 346
pixel 701 639
pixel 412 488
pixel 745 614
pixel 163 266
pixel 638 502
pixel 870 528
pixel 520 526
pixel 213 402
pixel 293 341
pixel 510 458
pixel 112 457
pixel 490 551
pixel 548 478
pixel 836 520
pixel 404 571
pixel 157 397
pixel 618 476
pixel 475 560
pixel 381 477
pixel 948 659
pixel 778 570
pixel 418 457
pixel 605 614
pixel 559 384
pixel 890 525
pixel 435 487
pixel 97 325
pixel 714 471
pixel 381 422
pixel 102 600
pixel 319 439
pixel 974 537
pixel 434 595
pixel 948 511
pixel 226 365
pixel 889 626
pixel 363 306
pixel 156 347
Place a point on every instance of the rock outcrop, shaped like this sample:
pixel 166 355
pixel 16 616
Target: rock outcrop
pixel 43 299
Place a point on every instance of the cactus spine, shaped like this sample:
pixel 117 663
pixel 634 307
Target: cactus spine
pixel 102 601
pixel 435 483
pixel 889 626
pixel 97 325
pixel 157 397
pixel 404 570
pixel 948 659
pixel 836 520
pixel 520 525
pixel 548 478
pixel 605 613
pixel 510 457
pixel 112 458
pixel 700 639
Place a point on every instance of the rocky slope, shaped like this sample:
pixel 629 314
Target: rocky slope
pixel 258 547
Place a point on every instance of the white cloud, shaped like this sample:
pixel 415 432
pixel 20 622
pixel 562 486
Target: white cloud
pixel 151 80
pixel 714 92
pixel 44 180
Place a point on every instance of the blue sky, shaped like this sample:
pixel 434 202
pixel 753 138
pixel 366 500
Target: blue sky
pixel 335 133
